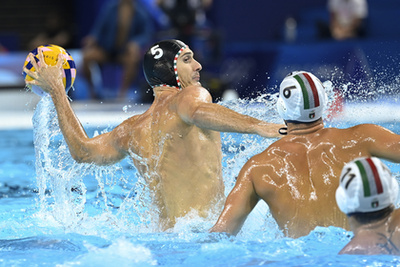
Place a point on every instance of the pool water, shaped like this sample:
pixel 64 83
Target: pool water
pixel 54 212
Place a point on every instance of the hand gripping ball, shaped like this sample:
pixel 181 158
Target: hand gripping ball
pixel 50 54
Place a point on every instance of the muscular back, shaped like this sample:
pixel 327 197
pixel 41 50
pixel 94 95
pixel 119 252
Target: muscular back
pixel 298 175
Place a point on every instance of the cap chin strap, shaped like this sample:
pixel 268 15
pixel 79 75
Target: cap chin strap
pixel 165 85
pixel 283 131
pixel 176 66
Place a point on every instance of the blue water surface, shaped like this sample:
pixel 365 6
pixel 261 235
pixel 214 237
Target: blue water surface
pixel 54 212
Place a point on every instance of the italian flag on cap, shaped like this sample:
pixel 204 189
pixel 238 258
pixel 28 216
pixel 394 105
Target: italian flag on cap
pixel 309 90
pixel 372 183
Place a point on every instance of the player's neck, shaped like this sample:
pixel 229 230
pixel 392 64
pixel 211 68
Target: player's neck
pixel 305 128
pixel 164 88
pixel 376 225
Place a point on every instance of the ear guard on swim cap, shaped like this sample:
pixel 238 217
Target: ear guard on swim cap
pixel 366 185
pixel 302 97
pixel 159 65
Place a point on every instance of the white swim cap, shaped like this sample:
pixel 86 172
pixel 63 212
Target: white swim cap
pixel 366 185
pixel 302 97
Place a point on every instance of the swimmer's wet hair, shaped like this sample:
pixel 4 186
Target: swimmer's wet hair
pixel 369 217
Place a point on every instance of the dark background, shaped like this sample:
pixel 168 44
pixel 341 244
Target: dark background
pixel 252 54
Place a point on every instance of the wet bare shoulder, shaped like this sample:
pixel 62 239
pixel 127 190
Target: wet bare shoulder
pixel 360 131
pixel 195 93
pixel 273 158
pixel 130 131
pixel 369 129
pixel 267 170
pixel 371 243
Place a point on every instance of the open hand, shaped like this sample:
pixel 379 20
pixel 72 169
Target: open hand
pixel 49 78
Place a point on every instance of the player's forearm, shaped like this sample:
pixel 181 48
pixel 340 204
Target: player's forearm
pixel 218 118
pixel 72 130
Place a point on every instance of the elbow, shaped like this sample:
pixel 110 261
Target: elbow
pixel 100 160
pixel 79 158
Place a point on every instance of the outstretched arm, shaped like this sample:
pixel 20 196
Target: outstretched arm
pixel 104 149
pixel 379 141
pixel 196 108
pixel 239 203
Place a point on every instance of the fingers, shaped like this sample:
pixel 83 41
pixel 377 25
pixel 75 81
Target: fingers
pixel 60 60
pixel 41 57
pixel 43 74
pixel 32 82
pixel 30 73
pixel 33 61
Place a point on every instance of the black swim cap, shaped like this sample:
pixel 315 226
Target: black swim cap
pixel 159 65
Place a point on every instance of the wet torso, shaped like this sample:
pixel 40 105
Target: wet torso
pixel 180 162
pixel 300 177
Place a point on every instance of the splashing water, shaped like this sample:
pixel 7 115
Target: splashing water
pixel 85 198
pixel 78 197
pixel 56 175
pixel 113 202
pixel 88 199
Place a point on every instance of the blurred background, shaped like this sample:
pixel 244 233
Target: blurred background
pixel 244 46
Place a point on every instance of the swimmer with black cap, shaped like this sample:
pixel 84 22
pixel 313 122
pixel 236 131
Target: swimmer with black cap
pixel 297 175
pixel 367 194
pixel 175 144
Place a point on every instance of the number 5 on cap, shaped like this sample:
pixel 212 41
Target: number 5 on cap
pixel 156 51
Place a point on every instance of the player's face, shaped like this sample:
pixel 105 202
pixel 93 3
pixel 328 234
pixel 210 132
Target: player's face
pixel 188 69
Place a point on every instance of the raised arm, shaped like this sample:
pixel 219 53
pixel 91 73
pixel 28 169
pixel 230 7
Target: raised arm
pixel 103 149
pixel 239 203
pixel 196 107
pixel 380 142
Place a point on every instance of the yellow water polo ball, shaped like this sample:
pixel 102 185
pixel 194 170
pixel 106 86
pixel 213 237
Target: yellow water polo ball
pixel 50 54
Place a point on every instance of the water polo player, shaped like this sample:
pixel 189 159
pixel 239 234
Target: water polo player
pixel 175 144
pixel 367 194
pixel 297 176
